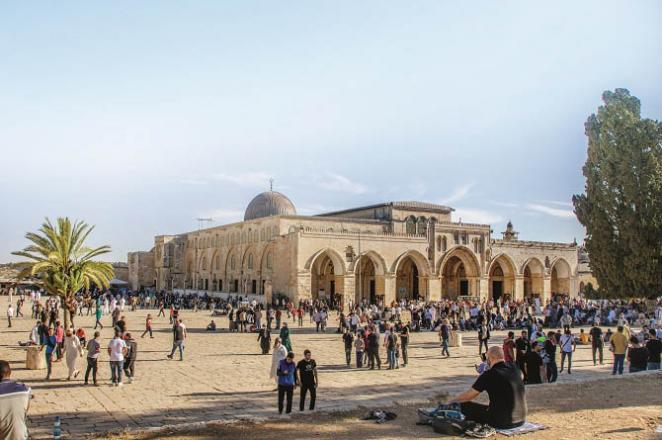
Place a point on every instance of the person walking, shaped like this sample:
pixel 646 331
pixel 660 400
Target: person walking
pixel 373 350
pixel 404 344
pixel 619 346
pixel 130 358
pixel 307 380
pixel 654 346
pixel 286 382
pixel 391 347
pixel 117 350
pixel 279 353
pixel 148 326
pixel 93 352
pixel 285 337
pixel 483 337
pixel 178 336
pixel 359 345
pixel 10 314
pixel 98 314
pixel 51 347
pixel 522 346
pixel 14 403
pixel 568 346
pixel 348 341
pixel 550 349
pixel 444 336
pixel 264 338
pixel 72 351
pixel 597 344
pixel 637 356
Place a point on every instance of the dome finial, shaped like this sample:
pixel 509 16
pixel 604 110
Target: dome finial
pixel 271 183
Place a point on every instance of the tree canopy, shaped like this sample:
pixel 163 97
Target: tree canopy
pixel 621 208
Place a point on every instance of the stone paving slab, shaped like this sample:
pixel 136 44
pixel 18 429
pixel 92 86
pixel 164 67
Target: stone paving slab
pixel 223 377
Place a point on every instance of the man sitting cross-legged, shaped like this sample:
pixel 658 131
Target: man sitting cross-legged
pixel 504 385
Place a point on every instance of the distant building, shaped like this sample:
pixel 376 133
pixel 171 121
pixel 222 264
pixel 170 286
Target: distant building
pixel 384 252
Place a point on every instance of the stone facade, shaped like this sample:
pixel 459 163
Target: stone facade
pixel 141 270
pixel 380 253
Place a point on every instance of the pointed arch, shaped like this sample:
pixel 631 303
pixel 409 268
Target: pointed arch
pixel 419 259
pixel 465 255
pixel 336 258
pixel 377 260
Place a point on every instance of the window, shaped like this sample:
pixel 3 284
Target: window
pixel 444 243
pixel 269 262
pixel 233 263
pixel 204 263
pixel 250 261
pixel 438 244
pixel 456 237
pixel 410 226
pixel 218 262
pixel 422 226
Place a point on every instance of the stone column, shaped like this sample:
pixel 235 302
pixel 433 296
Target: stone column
pixel 483 286
pixel 348 292
pixel 434 288
pixel 519 288
pixel 389 288
pixel 546 289
pixel 303 287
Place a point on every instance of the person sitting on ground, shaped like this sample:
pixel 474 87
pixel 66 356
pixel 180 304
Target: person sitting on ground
pixel 504 385
pixel 211 327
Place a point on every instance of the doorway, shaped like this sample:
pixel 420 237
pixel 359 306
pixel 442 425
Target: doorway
pixel 497 290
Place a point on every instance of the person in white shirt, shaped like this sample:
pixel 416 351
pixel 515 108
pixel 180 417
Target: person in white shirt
pixel 117 350
pixel 10 313
pixel 568 345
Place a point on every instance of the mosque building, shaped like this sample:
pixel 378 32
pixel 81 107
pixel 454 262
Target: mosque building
pixel 382 252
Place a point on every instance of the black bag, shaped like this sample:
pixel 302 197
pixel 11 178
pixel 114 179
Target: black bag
pixel 448 426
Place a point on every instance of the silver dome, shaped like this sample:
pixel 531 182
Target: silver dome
pixel 267 204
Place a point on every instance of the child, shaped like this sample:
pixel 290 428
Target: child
pixel 483 366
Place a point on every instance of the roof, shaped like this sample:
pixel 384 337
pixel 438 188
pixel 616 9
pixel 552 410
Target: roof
pixel 267 204
pixel 407 204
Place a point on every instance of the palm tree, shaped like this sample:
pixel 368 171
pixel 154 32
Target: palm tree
pixel 59 257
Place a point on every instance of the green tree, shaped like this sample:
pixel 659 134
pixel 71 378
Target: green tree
pixel 622 207
pixel 59 257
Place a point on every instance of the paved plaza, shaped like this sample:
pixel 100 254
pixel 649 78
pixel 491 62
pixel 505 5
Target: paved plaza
pixel 224 377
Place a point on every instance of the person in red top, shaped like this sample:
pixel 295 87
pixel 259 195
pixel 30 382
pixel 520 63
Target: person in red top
pixel 148 326
pixel 509 348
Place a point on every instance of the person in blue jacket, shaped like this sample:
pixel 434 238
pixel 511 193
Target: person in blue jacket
pixel 286 370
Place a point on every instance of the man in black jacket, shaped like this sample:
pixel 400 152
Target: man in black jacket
pixel 373 350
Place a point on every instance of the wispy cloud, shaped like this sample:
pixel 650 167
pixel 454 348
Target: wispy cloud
pixel 254 179
pixel 337 182
pixel 504 204
pixel 471 215
pixel 557 203
pixel 459 193
pixel 314 209
pixel 194 182
pixel 225 215
pixel 554 212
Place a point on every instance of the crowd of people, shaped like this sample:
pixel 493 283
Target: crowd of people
pixel 373 335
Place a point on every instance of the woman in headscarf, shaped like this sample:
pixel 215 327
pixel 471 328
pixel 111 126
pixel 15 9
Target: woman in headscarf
pixel 279 353
pixel 285 337
pixel 72 350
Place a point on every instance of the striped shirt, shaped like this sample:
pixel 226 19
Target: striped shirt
pixel 14 402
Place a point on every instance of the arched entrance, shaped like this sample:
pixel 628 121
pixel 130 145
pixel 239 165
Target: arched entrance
pixel 327 275
pixel 408 285
pixel 533 278
pixel 460 274
pixel 561 277
pixel 501 278
pixel 366 281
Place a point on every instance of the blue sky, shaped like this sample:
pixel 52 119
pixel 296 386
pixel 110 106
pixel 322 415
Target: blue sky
pixel 141 116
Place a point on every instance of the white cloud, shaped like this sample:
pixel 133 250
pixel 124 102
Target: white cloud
pixel 226 215
pixel 504 204
pixel 254 179
pixel 336 182
pixel 193 182
pixel 554 202
pixel 458 194
pixel 554 212
pixel 470 215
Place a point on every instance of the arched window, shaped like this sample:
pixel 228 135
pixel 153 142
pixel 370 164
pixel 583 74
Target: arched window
pixel 269 261
pixel 250 261
pixel 204 263
pixel 218 262
pixel 411 226
pixel 444 243
pixel 422 226
pixel 233 263
pixel 438 244
pixel 456 237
